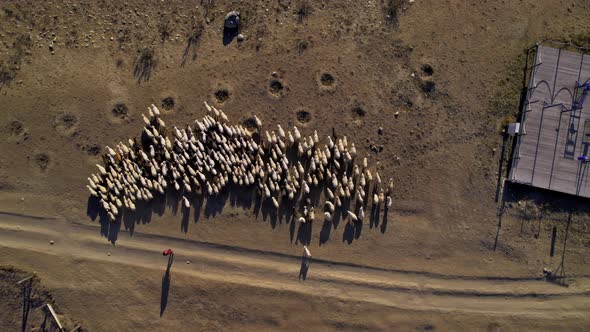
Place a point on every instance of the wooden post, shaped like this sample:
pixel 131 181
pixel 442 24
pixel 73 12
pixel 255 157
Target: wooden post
pixel 54 315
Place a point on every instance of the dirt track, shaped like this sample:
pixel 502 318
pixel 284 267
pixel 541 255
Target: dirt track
pixel 528 298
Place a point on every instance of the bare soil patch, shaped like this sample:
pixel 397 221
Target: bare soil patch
pixel 42 160
pixel 221 95
pixel 303 116
pixel 276 87
pixel 120 110
pixel 168 103
pixel 327 80
pixel 15 128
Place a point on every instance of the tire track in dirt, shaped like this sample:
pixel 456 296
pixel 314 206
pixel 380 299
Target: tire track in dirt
pixel 403 290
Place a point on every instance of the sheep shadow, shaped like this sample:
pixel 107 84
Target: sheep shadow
pixel 305 263
pixel 215 204
pixel 286 209
pixel 337 215
pixel 292 226
pixel 109 229
pixel 348 234
pixel 325 232
pixel 269 212
pixel 304 233
pixel 374 218
pixel 384 222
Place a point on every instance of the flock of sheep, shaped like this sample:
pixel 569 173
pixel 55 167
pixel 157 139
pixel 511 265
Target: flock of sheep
pixel 212 154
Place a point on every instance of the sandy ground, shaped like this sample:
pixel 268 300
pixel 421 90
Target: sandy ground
pixel 428 264
pixel 328 299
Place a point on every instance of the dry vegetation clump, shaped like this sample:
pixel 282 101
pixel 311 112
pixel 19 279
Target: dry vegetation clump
pixel 10 67
pixel 530 210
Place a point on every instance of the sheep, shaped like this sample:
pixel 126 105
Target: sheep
pixel 306 253
pixel 101 169
pixel 145 120
pixel 330 206
pixel 187 203
pixel 92 184
pixel 258 122
pixel 297 134
pixel 155 110
pixel 311 215
pixel 329 194
pixel 352 216
pixel 92 191
pixel 220 152
pixel 361 215
pixel 281 132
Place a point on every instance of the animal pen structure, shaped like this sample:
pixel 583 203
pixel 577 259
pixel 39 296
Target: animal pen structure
pixel 552 150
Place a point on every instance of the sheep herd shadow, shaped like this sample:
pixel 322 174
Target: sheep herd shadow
pixel 246 198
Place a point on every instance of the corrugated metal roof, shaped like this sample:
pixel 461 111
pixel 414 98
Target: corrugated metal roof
pixel 552 134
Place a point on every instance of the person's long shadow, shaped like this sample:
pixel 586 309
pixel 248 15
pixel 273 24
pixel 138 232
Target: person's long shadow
pixel 166 285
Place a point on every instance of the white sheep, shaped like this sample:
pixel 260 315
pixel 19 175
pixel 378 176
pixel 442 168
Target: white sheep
pixel 187 203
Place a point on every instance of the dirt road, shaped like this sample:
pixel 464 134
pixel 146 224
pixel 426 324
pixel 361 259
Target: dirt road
pixel 530 298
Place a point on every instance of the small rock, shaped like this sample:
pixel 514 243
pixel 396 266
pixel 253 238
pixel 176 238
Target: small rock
pixel 108 253
pixel 17 227
pixel 22 199
pixel 240 37
pixel 51 242
pixel 380 131
pixel 112 38
pixel 396 114
pixel 274 74
pixel 188 262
